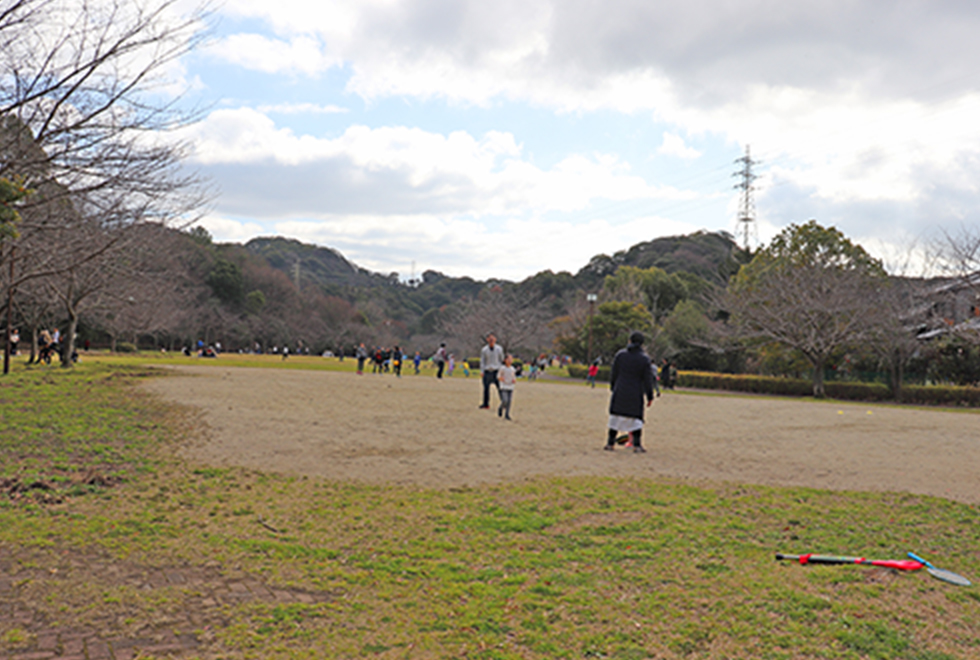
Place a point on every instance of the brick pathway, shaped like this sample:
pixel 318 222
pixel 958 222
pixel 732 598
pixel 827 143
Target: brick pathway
pixel 207 593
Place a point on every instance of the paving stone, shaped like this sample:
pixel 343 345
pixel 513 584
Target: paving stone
pixel 33 655
pixel 161 649
pixel 96 649
pixel 72 645
pixel 174 577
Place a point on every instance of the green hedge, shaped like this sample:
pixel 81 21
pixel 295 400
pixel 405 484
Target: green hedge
pixel 941 395
pixel 932 394
pixel 582 371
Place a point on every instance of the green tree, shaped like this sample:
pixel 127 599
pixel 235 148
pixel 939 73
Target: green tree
pixel 654 287
pixel 225 279
pixel 11 192
pixel 611 327
pixel 812 290
pixel 254 302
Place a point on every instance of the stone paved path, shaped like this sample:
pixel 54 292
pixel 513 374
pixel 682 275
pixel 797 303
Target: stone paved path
pixel 206 594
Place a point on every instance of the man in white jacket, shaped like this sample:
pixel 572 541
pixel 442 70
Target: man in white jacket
pixel 491 359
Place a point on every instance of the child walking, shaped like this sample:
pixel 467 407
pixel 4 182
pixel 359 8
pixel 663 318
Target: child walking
pixel 507 379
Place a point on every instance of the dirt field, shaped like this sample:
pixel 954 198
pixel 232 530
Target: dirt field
pixel 419 430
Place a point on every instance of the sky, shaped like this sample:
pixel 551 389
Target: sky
pixel 499 139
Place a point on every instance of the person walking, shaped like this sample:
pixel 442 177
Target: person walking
pixel 361 354
pixel 440 359
pixel 396 361
pixel 417 360
pixel 593 372
pixel 491 359
pixel 507 378
pixel 631 380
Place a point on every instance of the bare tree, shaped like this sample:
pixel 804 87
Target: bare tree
pixel 958 255
pixel 86 121
pixel 519 321
pixel 810 290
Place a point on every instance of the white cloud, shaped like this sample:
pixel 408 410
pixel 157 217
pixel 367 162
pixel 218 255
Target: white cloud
pixel 461 246
pixel 673 145
pixel 224 229
pixel 270 172
pixel 299 55
pixel 301 108
pixel 849 97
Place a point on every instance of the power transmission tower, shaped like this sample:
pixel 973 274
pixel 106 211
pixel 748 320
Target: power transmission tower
pixel 746 207
pixel 296 269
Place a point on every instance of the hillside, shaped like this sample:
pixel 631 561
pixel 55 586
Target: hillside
pixel 712 256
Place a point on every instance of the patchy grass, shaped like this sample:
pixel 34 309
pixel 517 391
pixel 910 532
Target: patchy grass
pixel 549 568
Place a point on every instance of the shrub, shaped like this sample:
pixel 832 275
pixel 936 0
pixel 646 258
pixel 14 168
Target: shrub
pixel 944 395
pixel 126 347
pixel 848 391
pixel 582 371
pixel 744 383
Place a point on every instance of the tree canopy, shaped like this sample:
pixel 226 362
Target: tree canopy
pixel 809 290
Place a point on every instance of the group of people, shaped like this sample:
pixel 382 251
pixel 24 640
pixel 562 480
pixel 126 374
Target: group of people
pixel 384 360
pixel 633 379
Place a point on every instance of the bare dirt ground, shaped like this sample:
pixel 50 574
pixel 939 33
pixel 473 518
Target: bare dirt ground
pixel 429 432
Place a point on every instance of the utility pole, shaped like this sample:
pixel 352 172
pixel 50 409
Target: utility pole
pixel 746 207
pixel 591 298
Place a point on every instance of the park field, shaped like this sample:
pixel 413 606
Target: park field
pixel 249 507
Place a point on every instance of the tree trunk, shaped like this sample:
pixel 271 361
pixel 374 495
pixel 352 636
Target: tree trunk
pixel 33 345
pixel 68 345
pixel 818 389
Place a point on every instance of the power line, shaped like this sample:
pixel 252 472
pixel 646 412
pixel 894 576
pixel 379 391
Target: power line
pixel 746 208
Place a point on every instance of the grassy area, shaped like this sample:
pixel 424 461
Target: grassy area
pixel 550 568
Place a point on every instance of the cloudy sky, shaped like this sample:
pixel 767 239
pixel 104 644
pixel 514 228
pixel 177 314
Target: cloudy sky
pixel 498 139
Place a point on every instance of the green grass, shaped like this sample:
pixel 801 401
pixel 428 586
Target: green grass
pixel 549 568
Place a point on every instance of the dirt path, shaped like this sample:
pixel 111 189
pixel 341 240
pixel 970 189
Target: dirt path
pixel 419 430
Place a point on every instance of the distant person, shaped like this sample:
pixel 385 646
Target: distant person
pixel 45 347
pixel 631 380
pixel 491 359
pixel 507 378
pixel 14 340
pixel 417 360
pixel 285 352
pixel 396 361
pixel 452 365
pixel 593 372
pixel 667 374
pixel 440 359
pixel 361 355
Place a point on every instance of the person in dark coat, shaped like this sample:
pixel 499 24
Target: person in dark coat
pixel 631 380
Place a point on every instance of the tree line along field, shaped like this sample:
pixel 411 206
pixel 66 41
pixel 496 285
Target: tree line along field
pixel 538 566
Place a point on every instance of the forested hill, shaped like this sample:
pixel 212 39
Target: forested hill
pixel 278 290
pixel 712 256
